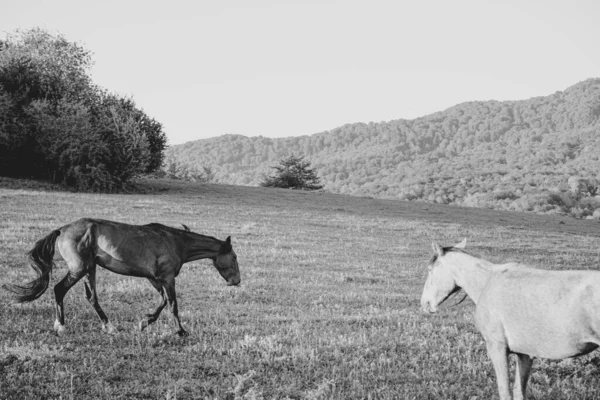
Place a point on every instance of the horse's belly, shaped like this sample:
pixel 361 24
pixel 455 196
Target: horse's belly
pixel 112 264
pixel 553 350
pixel 555 334
pixel 554 342
pixel 544 314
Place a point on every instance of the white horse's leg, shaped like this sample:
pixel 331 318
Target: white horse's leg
pixel 524 363
pixel 498 353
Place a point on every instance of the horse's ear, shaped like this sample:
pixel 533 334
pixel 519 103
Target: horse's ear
pixel 185 228
pixel 226 247
pixel 461 245
pixel 439 250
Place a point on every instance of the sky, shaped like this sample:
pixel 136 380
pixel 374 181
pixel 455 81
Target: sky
pixel 283 68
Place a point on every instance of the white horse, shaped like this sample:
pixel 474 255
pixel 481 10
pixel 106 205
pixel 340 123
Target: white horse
pixel 520 310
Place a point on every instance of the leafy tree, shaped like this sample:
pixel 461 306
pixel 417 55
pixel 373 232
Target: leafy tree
pixel 293 173
pixel 144 125
pixel 38 65
pixel 56 124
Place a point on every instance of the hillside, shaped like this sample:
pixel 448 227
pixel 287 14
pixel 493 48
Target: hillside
pixel 536 155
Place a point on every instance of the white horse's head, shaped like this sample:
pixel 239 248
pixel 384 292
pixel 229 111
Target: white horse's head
pixel 440 282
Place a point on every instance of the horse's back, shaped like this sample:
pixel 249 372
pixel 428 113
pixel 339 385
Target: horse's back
pixel 78 228
pixel 553 314
pixel 122 248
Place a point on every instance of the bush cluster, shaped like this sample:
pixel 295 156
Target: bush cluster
pixel 55 124
pixel 173 169
pixel 576 196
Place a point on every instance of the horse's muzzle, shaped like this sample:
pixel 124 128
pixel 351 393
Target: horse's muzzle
pixel 233 281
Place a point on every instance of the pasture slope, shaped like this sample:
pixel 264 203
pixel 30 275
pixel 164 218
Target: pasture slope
pixel 328 307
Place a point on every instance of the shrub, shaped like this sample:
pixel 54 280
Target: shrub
pixel 173 169
pixel 99 152
pixel 55 124
pixel 505 195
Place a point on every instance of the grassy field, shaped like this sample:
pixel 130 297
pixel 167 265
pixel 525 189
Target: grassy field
pixel 328 307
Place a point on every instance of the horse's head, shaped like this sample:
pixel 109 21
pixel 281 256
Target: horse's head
pixel 226 263
pixel 440 282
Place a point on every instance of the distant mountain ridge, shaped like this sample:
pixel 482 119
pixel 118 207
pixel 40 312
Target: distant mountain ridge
pixel 459 155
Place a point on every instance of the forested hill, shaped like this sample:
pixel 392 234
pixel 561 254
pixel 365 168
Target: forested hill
pixel 509 154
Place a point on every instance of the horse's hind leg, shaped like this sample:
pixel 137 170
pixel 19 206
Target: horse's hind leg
pixel 60 290
pixel 524 363
pixel 92 297
pixel 150 318
pixel 78 264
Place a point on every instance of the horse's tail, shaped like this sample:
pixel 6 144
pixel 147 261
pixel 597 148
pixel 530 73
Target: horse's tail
pixel 41 260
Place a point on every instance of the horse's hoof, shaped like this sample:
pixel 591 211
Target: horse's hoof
pixel 183 333
pixel 108 328
pixel 59 328
pixel 143 325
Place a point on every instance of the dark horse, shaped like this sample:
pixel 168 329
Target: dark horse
pixel 154 251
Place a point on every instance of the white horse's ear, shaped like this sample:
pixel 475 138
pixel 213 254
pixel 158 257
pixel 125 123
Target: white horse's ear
pixel 461 245
pixel 439 250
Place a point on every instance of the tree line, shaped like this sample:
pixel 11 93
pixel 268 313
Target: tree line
pixel 57 125
pixel 512 155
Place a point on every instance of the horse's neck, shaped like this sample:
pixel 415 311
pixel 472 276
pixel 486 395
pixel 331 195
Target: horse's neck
pixel 471 273
pixel 197 247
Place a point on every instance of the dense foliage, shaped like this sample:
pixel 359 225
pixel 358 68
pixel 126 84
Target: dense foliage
pixel 293 173
pixel 173 169
pixel 516 155
pixel 56 124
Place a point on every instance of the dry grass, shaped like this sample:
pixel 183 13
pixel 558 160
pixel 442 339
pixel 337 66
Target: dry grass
pixel 328 306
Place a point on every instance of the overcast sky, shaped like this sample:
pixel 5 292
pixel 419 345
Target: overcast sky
pixel 205 68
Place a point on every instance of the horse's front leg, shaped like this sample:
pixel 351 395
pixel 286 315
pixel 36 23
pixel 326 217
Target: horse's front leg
pixel 150 318
pixel 524 363
pixel 171 296
pixel 498 353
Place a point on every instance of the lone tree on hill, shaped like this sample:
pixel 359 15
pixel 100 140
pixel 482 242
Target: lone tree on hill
pixel 293 173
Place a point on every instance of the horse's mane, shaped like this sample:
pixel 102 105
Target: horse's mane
pixel 446 250
pixel 449 249
pixel 185 229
